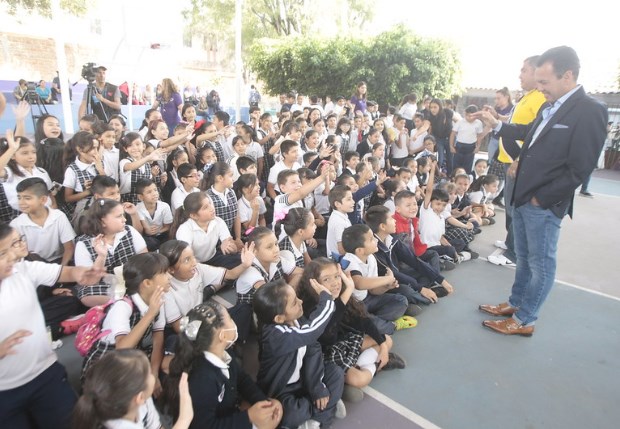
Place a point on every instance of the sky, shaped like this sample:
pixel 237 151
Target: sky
pixel 494 37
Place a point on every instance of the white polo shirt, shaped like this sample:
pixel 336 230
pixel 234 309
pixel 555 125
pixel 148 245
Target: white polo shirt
pixel 148 418
pixel 183 296
pixel 71 181
pixel 161 217
pixel 110 162
pixel 46 241
pixel 202 242
pixel 117 319
pixel 20 309
pixel 336 225
pixel 432 226
pixel 83 258
pixel 245 209
pixel 125 176
pixel 467 132
pixel 178 196
pixel 255 151
pixel 357 267
pixel 252 275
pixel 321 201
pixel 11 181
pixel 276 169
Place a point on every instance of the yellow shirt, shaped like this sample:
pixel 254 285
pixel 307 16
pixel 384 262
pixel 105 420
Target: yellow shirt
pixel 524 112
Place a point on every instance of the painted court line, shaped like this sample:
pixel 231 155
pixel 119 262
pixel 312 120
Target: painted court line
pixel 400 409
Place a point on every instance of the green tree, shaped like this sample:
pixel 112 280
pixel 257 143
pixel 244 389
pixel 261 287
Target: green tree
pixel 44 7
pixel 393 64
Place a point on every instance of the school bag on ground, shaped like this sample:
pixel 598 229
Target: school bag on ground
pixel 90 332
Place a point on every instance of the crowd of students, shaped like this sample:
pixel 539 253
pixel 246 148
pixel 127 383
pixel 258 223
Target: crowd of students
pixel 334 232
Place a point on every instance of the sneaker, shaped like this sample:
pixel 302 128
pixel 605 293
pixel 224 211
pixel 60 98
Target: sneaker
pixel 439 290
pixel 500 244
pixel 463 256
pixel 586 194
pixel 476 231
pixel 445 265
pixel 341 410
pixel 413 310
pixel 352 394
pixel 500 260
pixel 72 324
pixel 474 255
pixel 394 362
pixel 405 322
pixel 310 424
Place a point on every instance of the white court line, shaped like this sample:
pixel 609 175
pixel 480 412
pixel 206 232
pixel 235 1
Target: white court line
pixel 564 283
pixel 400 409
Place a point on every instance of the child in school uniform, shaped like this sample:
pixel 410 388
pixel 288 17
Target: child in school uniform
pixel 138 319
pixel 298 225
pixel 155 215
pixel 239 149
pixel 388 308
pixel 176 158
pixel 47 231
pixel 217 383
pixel 34 388
pixel 195 222
pixel 293 192
pixel 105 225
pixel 109 153
pixel 342 203
pixel 251 206
pixel 219 187
pixel 465 139
pixel 481 194
pixel 290 154
pixel 189 178
pixel 291 365
pixel 133 166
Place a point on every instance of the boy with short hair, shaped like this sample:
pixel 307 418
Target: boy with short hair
pixel 413 184
pixel 290 154
pixel 246 165
pixel 155 215
pixel 47 231
pixel 465 139
pixel 389 309
pixel 105 187
pixel 350 159
pixel 293 192
pixel 407 268
pixel 189 178
pixel 342 203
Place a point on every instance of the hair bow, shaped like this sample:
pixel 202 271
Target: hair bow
pixel 207 168
pixel 339 259
pixel 190 329
pixel 280 215
pixel 249 230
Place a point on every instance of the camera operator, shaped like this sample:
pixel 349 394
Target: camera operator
pixel 20 90
pixel 106 100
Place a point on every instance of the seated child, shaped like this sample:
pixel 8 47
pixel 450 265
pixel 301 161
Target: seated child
pixel 190 179
pixel 290 154
pixel 217 383
pixel 481 194
pixel 350 159
pixel 251 206
pixel 388 309
pixel 155 215
pixel 351 340
pixel 239 147
pixel 110 155
pixel 457 231
pixel 293 192
pixel 342 203
pixel 298 225
pixel 291 367
pixel 391 188
pixel 47 231
pixel 429 148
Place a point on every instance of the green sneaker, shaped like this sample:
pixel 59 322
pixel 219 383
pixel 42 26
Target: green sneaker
pixel 405 322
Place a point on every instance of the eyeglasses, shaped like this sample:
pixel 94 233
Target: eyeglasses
pixel 21 241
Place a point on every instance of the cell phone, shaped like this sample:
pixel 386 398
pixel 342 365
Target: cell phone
pixel 56 185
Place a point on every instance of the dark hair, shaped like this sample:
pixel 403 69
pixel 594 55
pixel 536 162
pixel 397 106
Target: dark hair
pixel 353 237
pixel 563 59
pixel 109 388
pixel 284 175
pixel 172 250
pixel 12 164
pixel 121 118
pixel 5 230
pixel 287 145
pixel 222 116
pixel 90 118
pixel 337 194
pixel 375 216
pixel 210 314
pixel 49 157
pixel 350 155
pixel 247 180
pixel 402 170
pixel 257 234
pixel 244 162
pixel 390 186
pixel 306 173
pixel 296 218
pixel 174 156
pixel 101 127
pixel 472 108
pixel 127 140
pixel 184 109
pixel 146 120
pixel 402 195
pixel 97 211
pixel 142 184
pixel 461 176
pixel 82 140
pixel 220 168
pixel 152 127
pixel 269 301
pixel 406 162
pixel 341 122
pixel 100 183
pixel 309 133
pixel 440 195
pixel 309 155
pixel 360 83
pixel 184 170
pixel 143 266
pixel 487 179
pixel 199 164
pixel 36 185
pixel 191 204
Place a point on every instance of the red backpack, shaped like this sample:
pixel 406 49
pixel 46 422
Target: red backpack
pixel 90 332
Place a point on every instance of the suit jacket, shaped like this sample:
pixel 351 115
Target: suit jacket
pixel 563 155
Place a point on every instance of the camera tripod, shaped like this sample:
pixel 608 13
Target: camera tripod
pixel 90 104
pixel 35 100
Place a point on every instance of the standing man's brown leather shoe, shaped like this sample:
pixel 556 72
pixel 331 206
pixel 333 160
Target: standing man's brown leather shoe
pixel 503 310
pixel 509 327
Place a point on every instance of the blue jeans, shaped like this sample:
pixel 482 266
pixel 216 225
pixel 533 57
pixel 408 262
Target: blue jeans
pixel 443 153
pixel 536 233
pixel 509 185
pixel 492 148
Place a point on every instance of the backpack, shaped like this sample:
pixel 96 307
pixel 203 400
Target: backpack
pixel 90 332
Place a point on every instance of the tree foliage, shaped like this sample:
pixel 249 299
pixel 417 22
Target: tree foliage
pixel 44 7
pixel 393 64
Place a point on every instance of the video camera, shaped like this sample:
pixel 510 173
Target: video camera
pixel 89 72
pixel 31 95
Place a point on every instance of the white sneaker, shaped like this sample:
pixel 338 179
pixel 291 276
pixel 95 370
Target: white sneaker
pixel 500 244
pixel 310 424
pixel 500 260
pixel 463 256
pixel 341 410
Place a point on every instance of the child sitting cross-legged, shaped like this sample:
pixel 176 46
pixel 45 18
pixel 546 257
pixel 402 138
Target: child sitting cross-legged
pixel 351 340
pixel 155 215
pixel 291 367
pixel 388 309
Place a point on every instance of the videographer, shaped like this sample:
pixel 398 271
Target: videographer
pixel 20 90
pixel 106 99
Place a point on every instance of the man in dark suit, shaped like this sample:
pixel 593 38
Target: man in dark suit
pixel 561 147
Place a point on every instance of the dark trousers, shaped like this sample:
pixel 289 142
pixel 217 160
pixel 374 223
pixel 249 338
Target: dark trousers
pixel 464 156
pixel 227 261
pixel 508 191
pixel 385 309
pixel 431 258
pixel 299 407
pixel 445 251
pixel 44 403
